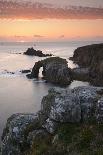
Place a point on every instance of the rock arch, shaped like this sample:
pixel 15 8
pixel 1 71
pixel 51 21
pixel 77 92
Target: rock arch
pixel 55 70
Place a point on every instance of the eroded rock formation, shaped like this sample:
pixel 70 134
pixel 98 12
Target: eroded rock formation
pixel 55 70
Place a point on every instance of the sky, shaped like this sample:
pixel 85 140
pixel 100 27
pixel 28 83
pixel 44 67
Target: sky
pixel 53 20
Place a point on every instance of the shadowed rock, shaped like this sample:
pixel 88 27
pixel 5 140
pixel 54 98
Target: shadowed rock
pixel 25 71
pixel 55 70
pixel 80 74
pixel 32 52
pixel 91 57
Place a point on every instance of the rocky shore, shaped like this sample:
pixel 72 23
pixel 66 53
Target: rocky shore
pixel 70 121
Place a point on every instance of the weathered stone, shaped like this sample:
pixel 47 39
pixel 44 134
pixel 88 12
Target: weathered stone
pixel 17 129
pixel 61 106
pixel 80 74
pixel 99 111
pixel 76 105
pixel 55 70
pixel 50 125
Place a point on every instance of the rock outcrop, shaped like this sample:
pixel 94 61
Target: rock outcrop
pixel 25 71
pixel 33 52
pixel 25 133
pixel 91 57
pixel 55 70
pixel 80 74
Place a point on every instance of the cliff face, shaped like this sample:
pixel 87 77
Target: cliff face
pixel 70 122
pixel 91 56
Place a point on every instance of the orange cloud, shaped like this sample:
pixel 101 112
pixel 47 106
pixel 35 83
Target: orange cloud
pixel 38 36
pixel 27 10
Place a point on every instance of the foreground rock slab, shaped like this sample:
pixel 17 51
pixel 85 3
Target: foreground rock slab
pixel 14 135
pixel 69 107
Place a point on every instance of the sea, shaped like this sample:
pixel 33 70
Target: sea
pixel 19 94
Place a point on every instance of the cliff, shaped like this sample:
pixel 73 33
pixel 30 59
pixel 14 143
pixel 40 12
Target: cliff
pixel 70 122
pixel 91 57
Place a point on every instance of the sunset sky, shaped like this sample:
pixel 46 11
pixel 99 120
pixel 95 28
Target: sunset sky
pixel 51 20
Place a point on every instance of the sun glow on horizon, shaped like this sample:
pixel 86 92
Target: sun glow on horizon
pixel 51 29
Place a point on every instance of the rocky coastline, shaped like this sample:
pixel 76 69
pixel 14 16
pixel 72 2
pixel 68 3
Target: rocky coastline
pixel 70 121
pixel 78 112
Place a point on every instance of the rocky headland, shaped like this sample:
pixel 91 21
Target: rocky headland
pixel 70 122
pixel 90 59
pixel 33 52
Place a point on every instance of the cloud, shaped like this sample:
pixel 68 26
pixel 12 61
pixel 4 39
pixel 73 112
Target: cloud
pixel 61 36
pixel 38 36
pixel 31 10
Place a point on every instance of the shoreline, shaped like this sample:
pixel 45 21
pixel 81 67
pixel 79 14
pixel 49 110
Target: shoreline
pixel 62 106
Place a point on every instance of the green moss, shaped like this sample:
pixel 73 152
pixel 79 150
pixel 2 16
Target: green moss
pixel 67 131
pixel 83 139
pixel 79 139
pixel 30 127
pixel 86 137
pixel 41 145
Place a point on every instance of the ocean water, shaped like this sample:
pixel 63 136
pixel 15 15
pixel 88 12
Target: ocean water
pixel 19 94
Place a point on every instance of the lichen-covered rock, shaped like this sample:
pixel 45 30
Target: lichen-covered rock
pixel 50 125
pixel 14 135
pixel 66 108
pixel 100 110
pixel 71 105
pixel 55 70
pixel 81 105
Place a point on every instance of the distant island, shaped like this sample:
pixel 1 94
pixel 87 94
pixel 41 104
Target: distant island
pixel 32 52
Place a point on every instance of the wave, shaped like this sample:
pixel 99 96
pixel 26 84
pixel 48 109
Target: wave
pixel 8 74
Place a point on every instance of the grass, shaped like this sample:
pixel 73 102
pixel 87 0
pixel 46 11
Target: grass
pixel 73 139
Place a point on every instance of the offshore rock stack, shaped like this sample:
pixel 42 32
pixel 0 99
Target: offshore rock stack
pixel 33 52
pixel 55 70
